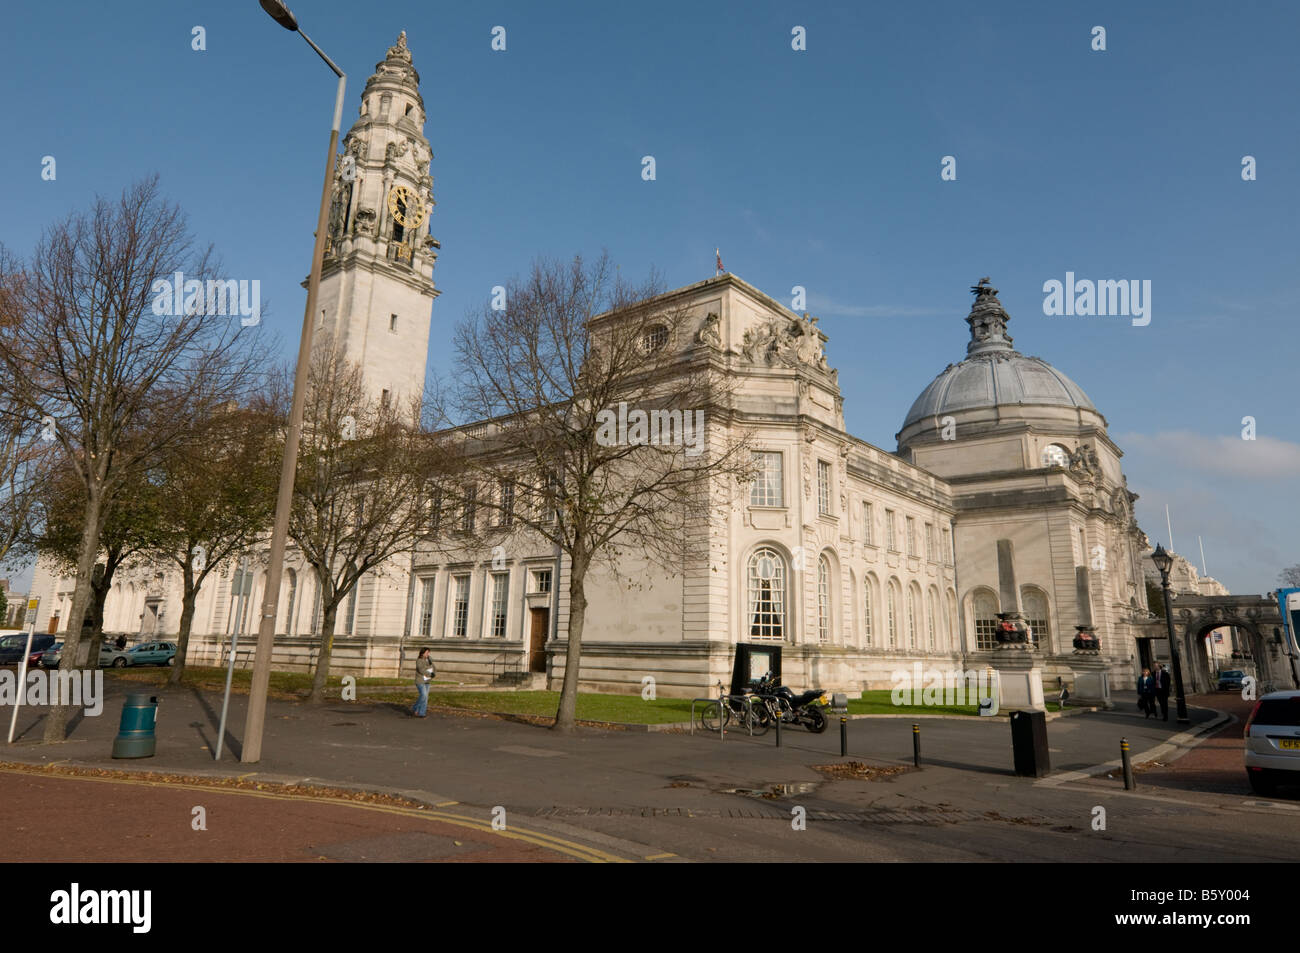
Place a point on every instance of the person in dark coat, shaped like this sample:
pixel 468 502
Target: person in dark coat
pixel 1147 693
pixel 1161 677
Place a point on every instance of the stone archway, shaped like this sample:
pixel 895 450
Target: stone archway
pixel 1255 618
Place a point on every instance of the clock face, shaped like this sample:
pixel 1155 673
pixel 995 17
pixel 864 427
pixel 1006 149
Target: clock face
pixel 1055 456
pixel 405 206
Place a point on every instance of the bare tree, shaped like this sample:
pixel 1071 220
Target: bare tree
pixel 94 349
pixel 217 496
pixel 1290 576
pixel 562 374
pixel 364 468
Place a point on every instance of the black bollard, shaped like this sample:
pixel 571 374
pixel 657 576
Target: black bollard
pixel 844 737
pixel 778 729
pixel 916 746
pixel 1129 783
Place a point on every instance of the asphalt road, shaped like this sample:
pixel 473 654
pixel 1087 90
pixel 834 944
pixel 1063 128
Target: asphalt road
pixel 667 796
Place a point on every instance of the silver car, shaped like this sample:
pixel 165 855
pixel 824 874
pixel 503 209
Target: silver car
pixel 1272 738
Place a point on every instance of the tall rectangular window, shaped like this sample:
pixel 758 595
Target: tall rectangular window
pixel 507 503
pixel 460 608
pixel 500 588
pixel 823 488
pixel 891 540
pixel 426 607
pixel 947 547
pixel 868 520
pixel 768 488
pixel 929 541
pixel 911 536
pixel 467 515
pixel 541 580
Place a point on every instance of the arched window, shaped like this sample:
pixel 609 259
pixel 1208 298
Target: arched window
pixel 766 595
pixel 1034 602
pixel 985 610
pixel 823 599
pixel 891 602
pixel 911 617
pixel 931 611
pixel 868 610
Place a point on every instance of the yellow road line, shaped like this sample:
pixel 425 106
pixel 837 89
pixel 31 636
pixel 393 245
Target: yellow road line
pixel 659 856
pixel 572 848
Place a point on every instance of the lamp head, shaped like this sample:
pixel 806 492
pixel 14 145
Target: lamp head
pixel 280 13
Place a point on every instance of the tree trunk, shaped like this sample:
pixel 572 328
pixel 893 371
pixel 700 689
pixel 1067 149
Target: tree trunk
pixel 566 714
pixel 326 648
pixel 187 620
pixel 99 583
pixel 72 657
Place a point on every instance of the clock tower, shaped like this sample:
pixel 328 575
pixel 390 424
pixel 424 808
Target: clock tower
pixel 377 291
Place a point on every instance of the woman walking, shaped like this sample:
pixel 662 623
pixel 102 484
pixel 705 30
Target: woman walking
pixel 424 672
pixel 1147 693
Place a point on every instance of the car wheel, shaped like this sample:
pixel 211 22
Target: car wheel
pixel 172 660
pixel 1261 782
pixel 119 662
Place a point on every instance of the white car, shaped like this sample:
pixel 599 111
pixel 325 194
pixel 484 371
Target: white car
pixel 1273 742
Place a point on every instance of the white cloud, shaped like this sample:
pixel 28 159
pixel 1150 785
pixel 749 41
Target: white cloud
pixel 1264 458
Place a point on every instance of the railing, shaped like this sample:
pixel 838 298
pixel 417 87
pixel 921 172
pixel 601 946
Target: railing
pixel 504 665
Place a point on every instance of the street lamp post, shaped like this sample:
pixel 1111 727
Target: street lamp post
pixel 256 719
pixel 1163 561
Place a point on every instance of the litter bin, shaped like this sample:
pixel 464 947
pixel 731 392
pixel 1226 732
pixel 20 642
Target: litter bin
pixel 1029 742
pixel 135 734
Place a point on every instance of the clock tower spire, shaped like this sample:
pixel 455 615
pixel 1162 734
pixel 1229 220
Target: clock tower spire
pixel 377 290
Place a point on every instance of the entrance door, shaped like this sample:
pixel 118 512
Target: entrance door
pixel 541 625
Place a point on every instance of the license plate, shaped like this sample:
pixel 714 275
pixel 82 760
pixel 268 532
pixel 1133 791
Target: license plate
pixel 1289 743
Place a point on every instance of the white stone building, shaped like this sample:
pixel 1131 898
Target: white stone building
pixel 857 560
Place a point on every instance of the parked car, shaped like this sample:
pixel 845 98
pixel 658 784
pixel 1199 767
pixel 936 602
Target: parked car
pixel 12 647
pixel 152 653
pixel 1231 681
pixel 111 655
pixel 1273 742
pixel 50 657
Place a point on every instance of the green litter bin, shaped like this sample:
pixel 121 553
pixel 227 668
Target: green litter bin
pixel 135 735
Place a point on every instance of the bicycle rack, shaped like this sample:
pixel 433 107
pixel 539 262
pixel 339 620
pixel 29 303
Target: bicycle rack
pixel 722 702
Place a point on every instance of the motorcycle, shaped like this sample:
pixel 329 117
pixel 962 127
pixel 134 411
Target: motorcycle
pixel 804 709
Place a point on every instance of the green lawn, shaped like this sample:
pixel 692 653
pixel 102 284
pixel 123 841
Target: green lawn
pixel 207 679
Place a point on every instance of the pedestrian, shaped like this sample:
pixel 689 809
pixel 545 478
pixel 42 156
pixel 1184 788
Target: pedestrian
pixel 121 642
pixel 1146 693
pixel 1161 677
pixel 424 672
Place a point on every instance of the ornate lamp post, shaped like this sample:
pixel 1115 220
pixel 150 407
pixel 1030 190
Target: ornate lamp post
pixel 1163 562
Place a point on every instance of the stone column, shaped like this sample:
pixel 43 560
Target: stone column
pixel 1091 680
pixel 1020 680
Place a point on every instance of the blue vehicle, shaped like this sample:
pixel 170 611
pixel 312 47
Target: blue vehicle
pixel 152 653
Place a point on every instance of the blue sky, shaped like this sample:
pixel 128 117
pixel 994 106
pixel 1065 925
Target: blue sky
pixel 818 168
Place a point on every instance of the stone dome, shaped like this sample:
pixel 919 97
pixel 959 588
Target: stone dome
pixel 994 374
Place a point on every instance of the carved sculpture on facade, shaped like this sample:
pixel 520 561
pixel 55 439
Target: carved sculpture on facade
pixel 786 341
pixel 710 331
pixel 1084 462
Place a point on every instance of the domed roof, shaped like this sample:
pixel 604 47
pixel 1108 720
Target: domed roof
pixel 994 374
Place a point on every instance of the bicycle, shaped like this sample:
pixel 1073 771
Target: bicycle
pixel 737 710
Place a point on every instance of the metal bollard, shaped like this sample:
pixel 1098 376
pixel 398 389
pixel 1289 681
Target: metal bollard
pixel 916 746
pixel 779 719
pixel 1129 783
pixel 844 737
